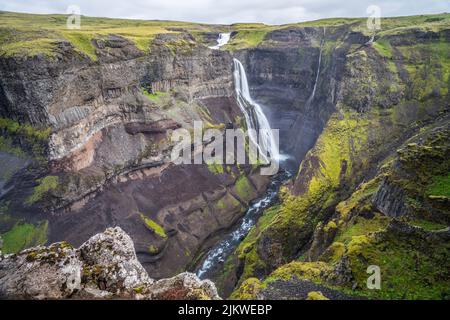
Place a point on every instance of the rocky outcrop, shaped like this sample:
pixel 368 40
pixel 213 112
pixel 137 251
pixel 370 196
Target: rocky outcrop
pixel 390 200
pixel 104 267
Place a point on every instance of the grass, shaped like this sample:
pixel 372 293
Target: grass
pixel 427 225
pixel 24 235
pixel 362 226
pixel 156 96
pixel 155 227
pixel 32 34
pixel 215 168
pixel 13 127
pixel 384 48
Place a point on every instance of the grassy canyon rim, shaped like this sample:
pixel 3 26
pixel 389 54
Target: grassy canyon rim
pixel 31 34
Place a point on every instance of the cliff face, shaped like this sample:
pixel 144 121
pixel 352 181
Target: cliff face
pixel 100 129
pixel 104 267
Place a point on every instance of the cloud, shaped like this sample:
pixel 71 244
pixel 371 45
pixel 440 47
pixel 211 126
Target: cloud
pixel 230 11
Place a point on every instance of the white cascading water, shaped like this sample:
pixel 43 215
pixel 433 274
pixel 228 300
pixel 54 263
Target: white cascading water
pixel 221 41
pixel 254 116
pixel 311 97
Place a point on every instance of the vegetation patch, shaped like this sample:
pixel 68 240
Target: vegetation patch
pixel 248 290
pixel 153 226
pixel 440 186
pixel 215 168
pixel 247 39
pixel 155 96
pixel 243 187
pixel 24 235
pixel 46 184
pixel 383 48
pixel 83 42
pixel 362 226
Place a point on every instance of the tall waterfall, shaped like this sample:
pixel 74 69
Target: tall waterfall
pixel 221 41
pixel 254 116
pixel 311 97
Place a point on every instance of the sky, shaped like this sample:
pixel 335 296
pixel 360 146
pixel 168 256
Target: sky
pixel 230 11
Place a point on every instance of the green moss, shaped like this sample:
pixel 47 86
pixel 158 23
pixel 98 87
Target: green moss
pixel 246 250
pixel 333 253
pixel 243 187
pixel 316 295
pixel 152 249
pixel 24 235
pixel 82 41
pixel 314 271
pixel 6 145
pixel 46 184
pixel 427 225
pixel 220 204
pixel 331 225
pixel 247 39
pixel 156 96
pixel 440 186
pixel 215 168
pixel 341 138
pixel 409 269
pixel 155 227
pixel 248 290
pixel 35 139
pixel 29 48
pixel 362 226
pixel 383 47
pixel 13 127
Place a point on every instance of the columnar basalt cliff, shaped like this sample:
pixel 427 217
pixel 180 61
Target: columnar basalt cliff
pixel 363 121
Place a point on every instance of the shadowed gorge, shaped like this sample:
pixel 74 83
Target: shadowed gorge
pixel 87 117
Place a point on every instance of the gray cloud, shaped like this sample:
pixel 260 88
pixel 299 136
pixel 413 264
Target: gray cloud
pixel 230 11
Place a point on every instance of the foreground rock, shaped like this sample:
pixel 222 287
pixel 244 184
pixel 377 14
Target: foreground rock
pixel 104 267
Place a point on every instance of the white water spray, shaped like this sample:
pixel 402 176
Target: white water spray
pixel 254 116
pixel 221 41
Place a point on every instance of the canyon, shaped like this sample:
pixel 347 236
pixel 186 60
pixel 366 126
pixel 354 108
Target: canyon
pixel 86 120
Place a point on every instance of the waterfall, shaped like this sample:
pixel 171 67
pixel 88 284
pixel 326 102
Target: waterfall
pixel 221 41
pixel 254 116
pixel 311 97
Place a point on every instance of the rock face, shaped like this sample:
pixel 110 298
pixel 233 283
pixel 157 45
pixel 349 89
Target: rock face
pixel 105 266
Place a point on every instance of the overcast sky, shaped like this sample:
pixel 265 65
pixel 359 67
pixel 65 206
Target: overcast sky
pixel 230 11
